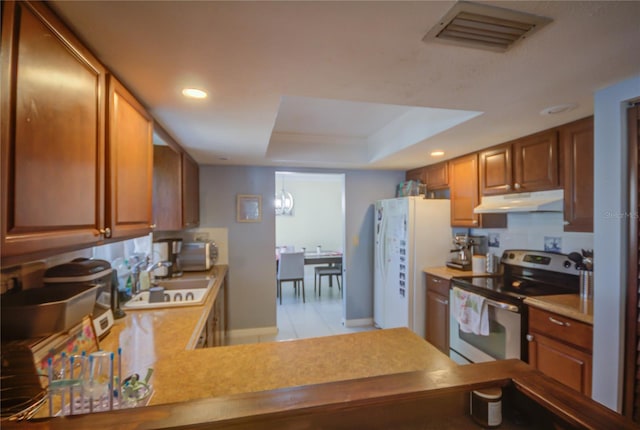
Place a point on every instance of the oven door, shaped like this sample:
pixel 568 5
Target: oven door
pixel 503 341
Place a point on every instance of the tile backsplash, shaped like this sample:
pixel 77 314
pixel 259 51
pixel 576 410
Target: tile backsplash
pixel 537 231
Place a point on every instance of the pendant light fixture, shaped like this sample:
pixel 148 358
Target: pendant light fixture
pixel 284 202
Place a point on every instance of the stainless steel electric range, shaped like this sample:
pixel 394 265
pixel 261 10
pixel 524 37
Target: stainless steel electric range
pixel 525 273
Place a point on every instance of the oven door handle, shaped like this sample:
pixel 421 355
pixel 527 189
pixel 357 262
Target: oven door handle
pixel 500 305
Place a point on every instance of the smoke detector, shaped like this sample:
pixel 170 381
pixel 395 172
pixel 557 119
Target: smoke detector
pixel 481 26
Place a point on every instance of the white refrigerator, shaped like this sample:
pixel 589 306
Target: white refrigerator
pixel 411 233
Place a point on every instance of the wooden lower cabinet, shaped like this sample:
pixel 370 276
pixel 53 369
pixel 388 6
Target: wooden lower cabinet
pixel 215 329
pixel 561 348
pixel 437 308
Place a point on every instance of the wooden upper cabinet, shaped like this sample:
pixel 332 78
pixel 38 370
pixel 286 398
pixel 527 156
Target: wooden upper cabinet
pixel 536 162
pixel 190 192
pixel 527 164
pixel 130 161
pixel 416 175
pixel 167 188
pixel 463 176
pixel 437 176
pixel 52 132
pixel 496 170
pixel 576 139
pixel 176 186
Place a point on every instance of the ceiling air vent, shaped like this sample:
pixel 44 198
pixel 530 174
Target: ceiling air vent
pixel 485 27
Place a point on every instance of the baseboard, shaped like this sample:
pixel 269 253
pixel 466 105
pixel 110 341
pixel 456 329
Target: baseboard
pixel 362 322
pixel 258 331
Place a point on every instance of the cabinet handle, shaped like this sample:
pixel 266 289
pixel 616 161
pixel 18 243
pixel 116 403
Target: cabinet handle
pixel 558 322
pixel 152 226
pixel 106 232
pixel 475 221
pixel 442 302
pixel 530 338
pixel 517 186
pixel 435 280
pixel 508 187
pixel 566 222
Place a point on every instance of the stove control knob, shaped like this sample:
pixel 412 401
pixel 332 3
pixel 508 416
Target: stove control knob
pixel 566 264
pixel 512 255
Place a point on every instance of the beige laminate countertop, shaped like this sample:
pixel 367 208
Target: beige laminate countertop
pixel 448 273
pixel 164 339
pixel 568 305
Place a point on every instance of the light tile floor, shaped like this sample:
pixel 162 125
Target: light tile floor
pixel 318 316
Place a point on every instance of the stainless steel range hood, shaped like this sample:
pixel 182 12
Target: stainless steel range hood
pixel 539 201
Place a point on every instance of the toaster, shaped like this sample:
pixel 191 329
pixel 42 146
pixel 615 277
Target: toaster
pixel 198 256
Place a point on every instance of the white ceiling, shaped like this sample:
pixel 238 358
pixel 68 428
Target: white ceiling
pixel 351 84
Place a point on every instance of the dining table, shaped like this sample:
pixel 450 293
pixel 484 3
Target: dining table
pixel 323 257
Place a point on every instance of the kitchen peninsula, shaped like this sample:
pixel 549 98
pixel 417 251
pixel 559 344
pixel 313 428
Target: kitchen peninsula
pixel 377 380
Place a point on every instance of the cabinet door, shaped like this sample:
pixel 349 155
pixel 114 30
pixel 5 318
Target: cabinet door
pixel 52 133
pixel 577 144
pixel 437 322
pixel 437 330
pixel 496 170
pixel 536 162
pixel 130 161
pixel 190 192
pixel 167 188
pixel 565 364
pixel 416 175
pixel 463 173
pixel 437 176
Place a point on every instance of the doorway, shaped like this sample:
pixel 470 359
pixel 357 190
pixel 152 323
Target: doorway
pixel 310 217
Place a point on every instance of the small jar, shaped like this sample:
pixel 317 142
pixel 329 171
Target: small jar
pixel 486 407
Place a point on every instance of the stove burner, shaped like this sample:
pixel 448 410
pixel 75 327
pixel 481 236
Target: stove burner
pixel 521 280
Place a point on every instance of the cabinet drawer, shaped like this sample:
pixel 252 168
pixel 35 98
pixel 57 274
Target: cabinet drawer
pixel 438 285
pixel 561 328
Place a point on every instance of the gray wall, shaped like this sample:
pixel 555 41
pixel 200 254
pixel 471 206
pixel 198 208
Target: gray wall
pixel 252 272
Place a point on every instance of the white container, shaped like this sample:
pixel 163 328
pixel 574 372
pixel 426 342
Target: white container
pixel 478 263
pixel 486 407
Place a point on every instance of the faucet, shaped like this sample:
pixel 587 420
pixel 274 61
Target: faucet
pixel 147 267
pixel 155 266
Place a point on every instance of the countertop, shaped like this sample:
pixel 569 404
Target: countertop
pixel 568 305
pixel 165 338
pixel 448 273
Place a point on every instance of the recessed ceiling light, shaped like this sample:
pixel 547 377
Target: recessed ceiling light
pixel 437 153
pixel 194 93
pixel 552 110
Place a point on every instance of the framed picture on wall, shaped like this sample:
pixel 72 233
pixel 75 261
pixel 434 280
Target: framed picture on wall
pixel 249 208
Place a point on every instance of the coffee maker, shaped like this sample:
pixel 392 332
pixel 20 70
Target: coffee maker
pixel 168 250
pixel 465 247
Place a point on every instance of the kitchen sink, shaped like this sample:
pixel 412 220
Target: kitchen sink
pixel 185 284
pixel 177 293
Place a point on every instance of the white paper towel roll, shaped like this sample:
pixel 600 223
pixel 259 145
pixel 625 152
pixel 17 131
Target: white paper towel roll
pixel 479 263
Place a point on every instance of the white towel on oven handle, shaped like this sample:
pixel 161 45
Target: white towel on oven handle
pixel 471 311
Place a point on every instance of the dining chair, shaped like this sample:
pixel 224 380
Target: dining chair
pixel 329 271
pixel 291 268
